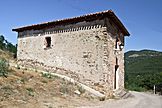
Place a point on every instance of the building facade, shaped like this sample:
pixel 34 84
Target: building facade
pixel 87 48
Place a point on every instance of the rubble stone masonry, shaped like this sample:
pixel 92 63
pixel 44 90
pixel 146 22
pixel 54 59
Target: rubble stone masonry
pixel 84 51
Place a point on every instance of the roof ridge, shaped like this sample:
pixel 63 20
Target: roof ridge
pixel 84 15
pixel 74 19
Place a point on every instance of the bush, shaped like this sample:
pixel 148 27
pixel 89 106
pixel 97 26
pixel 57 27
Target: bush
pixel 30 91
pixel 4 66
pixel 47 75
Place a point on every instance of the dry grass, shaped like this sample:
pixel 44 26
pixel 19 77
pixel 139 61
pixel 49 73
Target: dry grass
pixel 7 55
pixel 23 88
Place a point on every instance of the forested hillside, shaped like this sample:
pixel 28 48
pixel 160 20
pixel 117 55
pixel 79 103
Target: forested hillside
pixel 7 48
pixel 143 69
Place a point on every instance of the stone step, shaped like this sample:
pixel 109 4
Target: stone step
pixel 122 94
pixel 127 95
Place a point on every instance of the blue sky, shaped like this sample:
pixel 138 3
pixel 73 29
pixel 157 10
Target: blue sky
pixel 142 18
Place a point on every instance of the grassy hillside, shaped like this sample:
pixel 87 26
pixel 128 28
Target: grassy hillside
pixel 28 89
pixel 143 69
pixel 6 55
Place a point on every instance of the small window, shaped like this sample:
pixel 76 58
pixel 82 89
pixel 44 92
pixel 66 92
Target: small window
pixel 121 38
pixel 48 41
pixel 117 43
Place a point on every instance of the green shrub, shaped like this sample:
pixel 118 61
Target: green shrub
pixel 47 75
pixel 4 67
pixel 30 91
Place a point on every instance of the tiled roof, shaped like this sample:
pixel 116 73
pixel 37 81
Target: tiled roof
pixel 87 17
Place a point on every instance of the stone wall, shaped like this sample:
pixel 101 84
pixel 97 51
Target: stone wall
pixel 84 51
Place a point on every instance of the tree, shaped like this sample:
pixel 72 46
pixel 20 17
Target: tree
pixel 2 44
pixel 10 47
pixel 2 38
pixel 5 45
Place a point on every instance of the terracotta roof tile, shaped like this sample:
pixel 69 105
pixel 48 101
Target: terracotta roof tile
pixel 87 17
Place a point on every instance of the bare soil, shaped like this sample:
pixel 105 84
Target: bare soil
pixel 28 89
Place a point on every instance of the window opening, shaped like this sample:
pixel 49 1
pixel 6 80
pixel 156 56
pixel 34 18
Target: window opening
pixel 117 43
pixel 48 41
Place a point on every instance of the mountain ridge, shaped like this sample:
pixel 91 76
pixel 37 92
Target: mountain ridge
pixel 143 69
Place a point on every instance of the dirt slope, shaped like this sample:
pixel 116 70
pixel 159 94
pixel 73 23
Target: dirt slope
pixel 27 89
